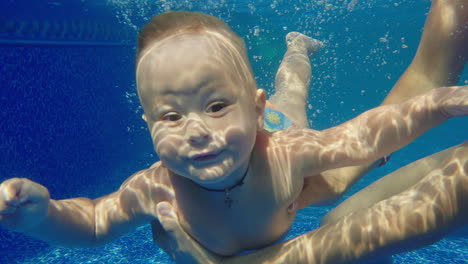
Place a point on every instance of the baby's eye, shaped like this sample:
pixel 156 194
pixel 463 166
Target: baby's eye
pixel 216 107
pixel 172 116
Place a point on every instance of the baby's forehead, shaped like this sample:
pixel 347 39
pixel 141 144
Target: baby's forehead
pixel 187 55
pixel 185 50
pixel 225 48
pixel 188 59
pixel 201 42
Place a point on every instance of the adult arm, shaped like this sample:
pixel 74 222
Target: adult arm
pixel 374 133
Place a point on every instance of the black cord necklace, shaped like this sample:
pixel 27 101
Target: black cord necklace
pixel 227 199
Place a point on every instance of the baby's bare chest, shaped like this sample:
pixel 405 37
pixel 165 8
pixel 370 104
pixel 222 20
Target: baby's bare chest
pixel 260 214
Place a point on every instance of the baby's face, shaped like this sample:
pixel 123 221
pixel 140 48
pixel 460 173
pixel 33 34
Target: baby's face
pixel 200 112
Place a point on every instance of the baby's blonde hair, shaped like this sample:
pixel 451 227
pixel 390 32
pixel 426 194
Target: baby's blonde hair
pixel 172 23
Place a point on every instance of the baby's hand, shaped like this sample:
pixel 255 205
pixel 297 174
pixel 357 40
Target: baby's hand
pixel 23 204
pixel 454 100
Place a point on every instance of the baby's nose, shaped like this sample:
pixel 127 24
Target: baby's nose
pixel 198 137
pixel 198 133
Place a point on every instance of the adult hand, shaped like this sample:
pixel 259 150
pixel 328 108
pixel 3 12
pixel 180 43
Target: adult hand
pixel 172 238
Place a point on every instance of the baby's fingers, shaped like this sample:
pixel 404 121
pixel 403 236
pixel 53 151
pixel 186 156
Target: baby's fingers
pixel 21 191
pixel 10 195
pixel 22 203
pixel 6 209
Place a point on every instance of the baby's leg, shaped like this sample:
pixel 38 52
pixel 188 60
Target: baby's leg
pixel 293 77
pixel 290 97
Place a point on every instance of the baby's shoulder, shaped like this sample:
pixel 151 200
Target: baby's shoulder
pixel 154 175
pixel 280 146
pixel 291 138
pixel 292 146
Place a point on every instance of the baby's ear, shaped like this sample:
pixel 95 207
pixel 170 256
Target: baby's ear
pixel 260 101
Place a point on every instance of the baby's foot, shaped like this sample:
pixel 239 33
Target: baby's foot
pixel 296 39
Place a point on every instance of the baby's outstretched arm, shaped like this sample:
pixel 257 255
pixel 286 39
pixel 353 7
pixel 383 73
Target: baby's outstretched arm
pixel 26 207
pixel 374 133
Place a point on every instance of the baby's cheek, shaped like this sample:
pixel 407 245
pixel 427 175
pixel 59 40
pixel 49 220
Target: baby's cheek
pixel 167 146
pixel 240 138
pixel 233 135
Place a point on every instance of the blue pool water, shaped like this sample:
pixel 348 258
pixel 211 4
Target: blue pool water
pixel 70 118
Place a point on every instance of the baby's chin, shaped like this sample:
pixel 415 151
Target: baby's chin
pixel 211 175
